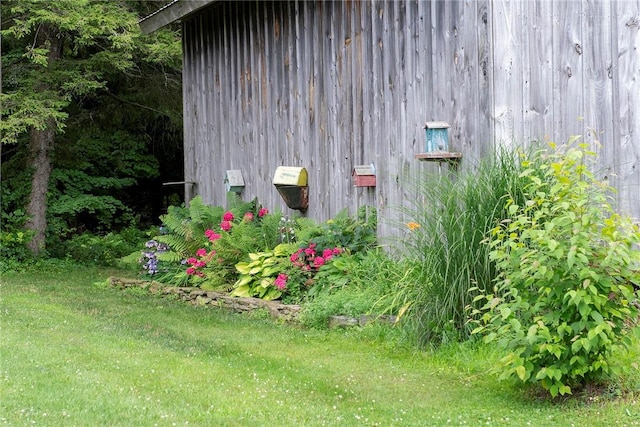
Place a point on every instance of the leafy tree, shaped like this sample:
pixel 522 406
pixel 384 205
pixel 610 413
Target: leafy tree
pixel 70 69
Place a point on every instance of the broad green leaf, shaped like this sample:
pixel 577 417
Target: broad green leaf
pixel 571 256
pixel 243 268
pixel 242 291
pixel 270 271
pixel 243 281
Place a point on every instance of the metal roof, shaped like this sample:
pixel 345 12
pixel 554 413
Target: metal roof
pixel 171 12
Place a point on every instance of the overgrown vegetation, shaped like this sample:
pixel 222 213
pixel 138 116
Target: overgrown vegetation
pixel 568 263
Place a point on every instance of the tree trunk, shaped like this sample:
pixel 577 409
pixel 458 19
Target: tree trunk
pixel 40 148
pixel 41 144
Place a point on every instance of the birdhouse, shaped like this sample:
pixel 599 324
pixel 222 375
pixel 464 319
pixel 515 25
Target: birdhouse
pixel 291 183
pixel 233 181
pixel 437 136
pixel 364 176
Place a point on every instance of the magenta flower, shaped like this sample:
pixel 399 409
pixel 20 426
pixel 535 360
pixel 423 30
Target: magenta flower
pixel 248 217
pixel 225 225
pixel 281 281
pixel 327 253
pixel 318 262
pixel 262 212
pixel 212 235
pixel 201 252
pixel 337 251
pixel 228 216
pixel 191 270
pixel 192 261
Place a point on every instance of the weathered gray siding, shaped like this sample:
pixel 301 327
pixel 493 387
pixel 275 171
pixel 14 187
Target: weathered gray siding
pixel 330 85
pixel 565 68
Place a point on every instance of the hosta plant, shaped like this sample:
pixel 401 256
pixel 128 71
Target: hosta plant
pixel 567 265
pixel 263 275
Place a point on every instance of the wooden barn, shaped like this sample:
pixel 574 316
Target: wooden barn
pixel 358 93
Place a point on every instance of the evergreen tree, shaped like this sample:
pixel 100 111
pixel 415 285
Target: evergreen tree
pixel 63 61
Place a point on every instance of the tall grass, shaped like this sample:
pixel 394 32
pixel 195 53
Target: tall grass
pixel 453 213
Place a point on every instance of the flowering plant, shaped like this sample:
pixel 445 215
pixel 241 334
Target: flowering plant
pixel 310 258
pixel 237 232
pixel 262 276
pixel 149 260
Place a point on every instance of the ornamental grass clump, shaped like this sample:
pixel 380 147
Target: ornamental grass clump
pixel 567 265
pixel 449 214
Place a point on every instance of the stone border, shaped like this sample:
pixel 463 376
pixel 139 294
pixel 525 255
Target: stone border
pixel 197 296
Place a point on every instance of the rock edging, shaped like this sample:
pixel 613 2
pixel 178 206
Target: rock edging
pixel 197 296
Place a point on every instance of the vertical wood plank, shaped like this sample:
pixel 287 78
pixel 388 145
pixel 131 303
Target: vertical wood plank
pixel 328 85
pixel 626 139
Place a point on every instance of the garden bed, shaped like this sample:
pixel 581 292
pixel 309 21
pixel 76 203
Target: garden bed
pixel 197 296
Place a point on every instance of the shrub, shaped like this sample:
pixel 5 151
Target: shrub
pixel 567 265
pixel 13 249
pixel 104 250
pixel 449 214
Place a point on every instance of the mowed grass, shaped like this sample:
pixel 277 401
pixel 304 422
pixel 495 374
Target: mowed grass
pixel 77 354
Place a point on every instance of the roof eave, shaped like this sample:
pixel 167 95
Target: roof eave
pixel 172 12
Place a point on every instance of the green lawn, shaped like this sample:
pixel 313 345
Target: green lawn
pixel 75 353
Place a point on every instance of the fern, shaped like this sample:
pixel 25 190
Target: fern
pixel 178 244
pixel 185 228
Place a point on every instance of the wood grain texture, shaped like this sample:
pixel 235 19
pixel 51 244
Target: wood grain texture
pixel 329 85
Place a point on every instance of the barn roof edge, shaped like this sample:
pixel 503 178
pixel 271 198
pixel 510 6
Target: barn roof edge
pixel 171 12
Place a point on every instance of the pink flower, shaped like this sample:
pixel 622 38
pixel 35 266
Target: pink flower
pixel 192 261
pixel 281 281
pixel 310 251
pixel 262 212
pixel 337 251
pixel 191 270
pixel 294 256
pixel 318 262
pixel 248 217
pixel 228 216
pixel 225 225
pixel 212 235
pixel 327 253
pixel 201 252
